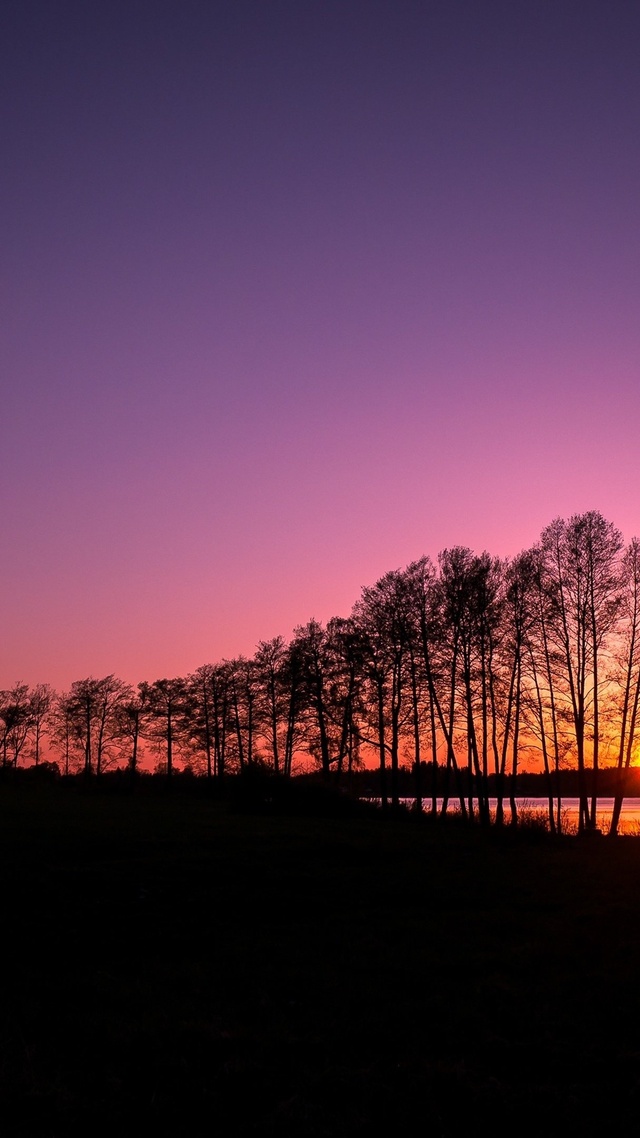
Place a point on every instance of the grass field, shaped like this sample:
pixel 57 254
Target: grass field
pixel 171 966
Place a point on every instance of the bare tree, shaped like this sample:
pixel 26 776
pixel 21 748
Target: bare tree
pixel 41 700
pixel 581 573
pixel 210 715
pixel 345 652
pixel 292 679
pixel 269 663
pixel 384 617
pixel 545 664
pixel 112 694
pixel 88 721
pixel 130 713
pixel 202 719
pixel 629 667
pixel 311 652
pixel 80 711
pixel 518 623
pixel 15 714
pixel 167 705
pixel 455 583
pixel 425 600
pixel 63 734
pixel 243 689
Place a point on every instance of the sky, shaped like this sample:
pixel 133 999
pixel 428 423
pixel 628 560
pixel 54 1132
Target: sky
pixel 293 293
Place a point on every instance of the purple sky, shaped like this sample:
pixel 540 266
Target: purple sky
pixel 294 292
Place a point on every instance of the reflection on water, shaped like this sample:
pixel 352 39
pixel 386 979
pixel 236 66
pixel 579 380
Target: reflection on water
pixel 629 818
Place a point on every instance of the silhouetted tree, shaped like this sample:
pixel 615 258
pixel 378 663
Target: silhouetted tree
pixel 629 666
pixel 456 582
pixel 242 681
pixel 269 664
pixel 210 714
pixel 425 601
pixel 41 700
pixel 311 649
pixel 167 706
pixel 292 678
pixel 580 559
pixel 202 725
pixel 518 622
pixel 62 729
pixel 345 706
pixel 89 715
pixel 130 714
pixel 477 655
pixel 15 715
pixel 377 675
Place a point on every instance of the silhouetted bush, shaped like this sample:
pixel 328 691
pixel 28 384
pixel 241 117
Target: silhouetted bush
pixel 257 791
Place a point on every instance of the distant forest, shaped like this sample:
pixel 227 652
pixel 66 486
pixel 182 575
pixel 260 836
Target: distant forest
pixel 449 675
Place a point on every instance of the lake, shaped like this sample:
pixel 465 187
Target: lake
pixel 629 818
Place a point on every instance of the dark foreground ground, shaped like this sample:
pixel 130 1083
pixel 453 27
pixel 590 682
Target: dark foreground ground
pixel 172 967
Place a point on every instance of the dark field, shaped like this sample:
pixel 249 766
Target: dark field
pixel 173 967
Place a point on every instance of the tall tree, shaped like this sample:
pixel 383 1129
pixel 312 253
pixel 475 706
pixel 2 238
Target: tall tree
pixel 311 652
pixel 87 722
pixel 15 715
pixel 131 711
pixel 242 682
pixel 269 660
pixel 546 663
pixel 210 693
pixel 518 623
pixel 62 730
pixel 384 617
pixel 629 672
pixel 456 582
pixel 292 678
pixel 202 718
pixel 112 694
pixel 167 703
pixel 41 700
pixel 345 656
pixel 425 600
pixel 581 563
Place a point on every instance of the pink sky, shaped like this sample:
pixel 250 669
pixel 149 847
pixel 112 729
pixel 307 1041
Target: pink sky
pixel 295 294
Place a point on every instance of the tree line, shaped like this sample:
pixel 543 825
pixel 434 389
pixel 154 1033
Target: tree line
pixel 468 664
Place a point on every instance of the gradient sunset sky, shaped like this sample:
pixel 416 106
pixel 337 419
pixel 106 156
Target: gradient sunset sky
pixel 293 292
